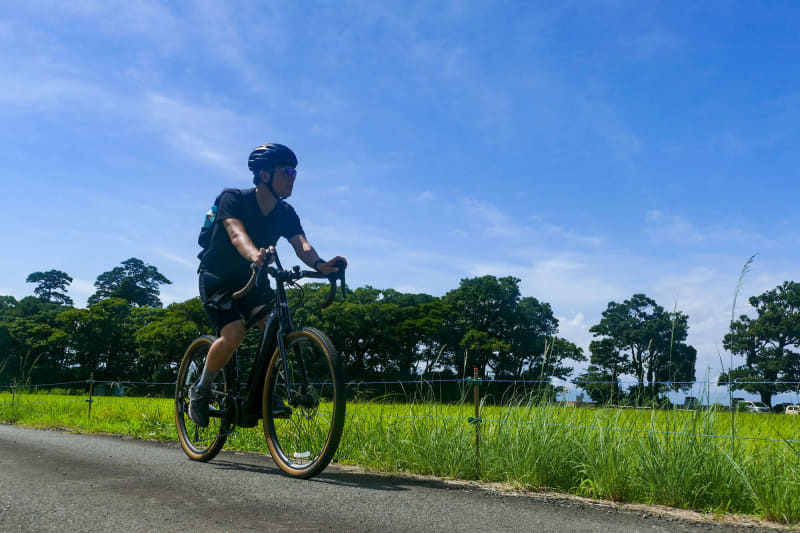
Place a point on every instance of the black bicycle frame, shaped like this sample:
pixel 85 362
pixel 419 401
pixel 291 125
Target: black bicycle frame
pixel 278 325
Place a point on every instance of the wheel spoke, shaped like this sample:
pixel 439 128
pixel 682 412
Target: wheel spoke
pixel 305 443
pixel 199 443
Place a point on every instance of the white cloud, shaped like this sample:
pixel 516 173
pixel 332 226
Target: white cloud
pixel 81 290
pixel 181 260
pixel 602 118
pixel 576 283
pixel 570 236
pixel 441 59
pixel 424 197
pixel 200 132
pixel 146 18
pixel 45 91
pixel 575 329
pixel 664 227
pixel 489 221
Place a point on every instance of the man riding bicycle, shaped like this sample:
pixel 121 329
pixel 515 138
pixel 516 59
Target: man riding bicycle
pixel 248 224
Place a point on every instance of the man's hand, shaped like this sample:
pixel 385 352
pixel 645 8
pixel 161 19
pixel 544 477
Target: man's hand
pixel 329 267
pixel 259 256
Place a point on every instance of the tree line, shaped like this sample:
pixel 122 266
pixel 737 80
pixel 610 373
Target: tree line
pixel 125 334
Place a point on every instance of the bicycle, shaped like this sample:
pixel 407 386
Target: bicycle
pixel 300 366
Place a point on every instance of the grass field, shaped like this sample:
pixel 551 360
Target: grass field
pixel 711 461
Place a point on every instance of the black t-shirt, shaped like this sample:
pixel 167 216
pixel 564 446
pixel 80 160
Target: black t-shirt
pixel 221 258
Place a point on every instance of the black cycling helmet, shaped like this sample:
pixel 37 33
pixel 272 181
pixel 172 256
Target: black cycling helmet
pixel 268 156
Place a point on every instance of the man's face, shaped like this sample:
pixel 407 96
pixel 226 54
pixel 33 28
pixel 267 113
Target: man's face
pixel 283 181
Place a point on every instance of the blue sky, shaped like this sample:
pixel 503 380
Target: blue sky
pixel 593 149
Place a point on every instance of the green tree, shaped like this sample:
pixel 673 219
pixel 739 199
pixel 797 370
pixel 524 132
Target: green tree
pixel 164 336
pixel 32 348
pixel 7 306
pixel 480 316
pixel 371 329
pixel 380 334
pixel 769 343
pixel 601 385
pixel 429 327
pixel 640 338
pixel 407 342
pixel 102 338
pixel 602 379
pixel 7 303
pixel 52 286
pixel 536 353
pixel 31 342
pixel 503 334
pixel 551 362
pixel 134 281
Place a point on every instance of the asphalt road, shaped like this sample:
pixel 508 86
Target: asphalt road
pixel 57 481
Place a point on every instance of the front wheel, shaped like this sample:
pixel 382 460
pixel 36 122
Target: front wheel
pixel 200 443
pixel 303 444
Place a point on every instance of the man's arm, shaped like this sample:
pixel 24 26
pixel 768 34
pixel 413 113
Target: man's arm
pixel 308 255
pixel 243 243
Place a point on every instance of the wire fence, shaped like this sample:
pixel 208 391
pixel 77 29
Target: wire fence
pixel 480 389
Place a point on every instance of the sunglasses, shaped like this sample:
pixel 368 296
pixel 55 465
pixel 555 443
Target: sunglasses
pixel 290 172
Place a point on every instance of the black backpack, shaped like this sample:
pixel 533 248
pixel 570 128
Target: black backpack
pixel 206 232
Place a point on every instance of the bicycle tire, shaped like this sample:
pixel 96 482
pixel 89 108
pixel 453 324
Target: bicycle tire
pixel 200 443
pixel 304 444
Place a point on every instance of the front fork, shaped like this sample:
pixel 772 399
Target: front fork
pixel 296 397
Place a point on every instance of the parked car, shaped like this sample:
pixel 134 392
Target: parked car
pixel 793 409
pixel 780 407
pixel 752 407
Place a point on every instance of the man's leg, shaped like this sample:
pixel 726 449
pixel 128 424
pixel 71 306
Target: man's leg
pixel 222 350
pixel 231 336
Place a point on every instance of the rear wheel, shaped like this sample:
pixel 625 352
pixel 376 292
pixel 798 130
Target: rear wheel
pixel 200 443
pixel 303 444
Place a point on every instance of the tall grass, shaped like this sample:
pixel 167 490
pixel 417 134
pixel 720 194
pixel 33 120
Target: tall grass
pixel 682 459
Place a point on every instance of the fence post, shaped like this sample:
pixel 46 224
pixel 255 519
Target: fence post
pixel 13 391
pixel 477 424
pixel 91 390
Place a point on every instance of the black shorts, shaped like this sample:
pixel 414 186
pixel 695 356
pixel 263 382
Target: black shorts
pixel 217 296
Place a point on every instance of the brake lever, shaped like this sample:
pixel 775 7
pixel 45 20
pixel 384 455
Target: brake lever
pixel 342 266
pixel 332 277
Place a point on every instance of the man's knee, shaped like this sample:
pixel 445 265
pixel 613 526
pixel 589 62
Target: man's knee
pixel 233 334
